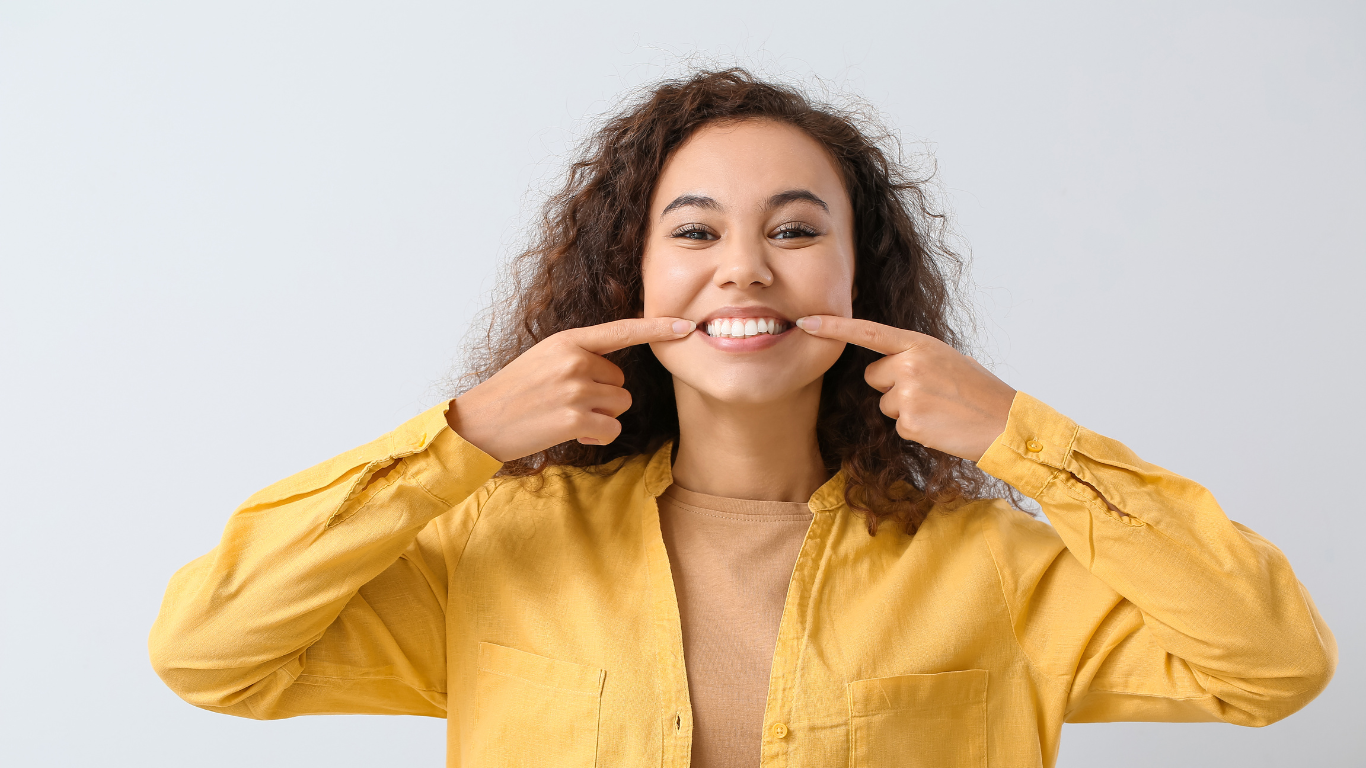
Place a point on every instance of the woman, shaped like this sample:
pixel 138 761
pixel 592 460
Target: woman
pixel 650 532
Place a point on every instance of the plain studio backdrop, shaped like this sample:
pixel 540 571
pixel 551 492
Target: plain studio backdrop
pixel 240 238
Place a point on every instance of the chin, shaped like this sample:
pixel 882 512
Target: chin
pixel 738 394
pixel 742 384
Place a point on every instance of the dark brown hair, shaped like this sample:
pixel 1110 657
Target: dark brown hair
pixel 583 267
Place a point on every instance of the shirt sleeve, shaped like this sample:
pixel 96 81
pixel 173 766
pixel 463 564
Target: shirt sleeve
pixel 1171 613
pixel 327 591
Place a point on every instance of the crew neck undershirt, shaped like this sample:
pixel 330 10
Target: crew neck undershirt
pixel 732 560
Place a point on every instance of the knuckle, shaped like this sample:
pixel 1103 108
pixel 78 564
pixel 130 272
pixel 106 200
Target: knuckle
pixel 619 333
pixel 573 419
pixel 560 340
pixel 910 421
pixel 576 367
pixel 574 389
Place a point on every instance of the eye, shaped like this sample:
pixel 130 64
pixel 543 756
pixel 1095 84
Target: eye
pixel 693 232
pixel 794 230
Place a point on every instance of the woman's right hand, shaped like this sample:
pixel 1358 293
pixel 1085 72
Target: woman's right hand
pixel 561 389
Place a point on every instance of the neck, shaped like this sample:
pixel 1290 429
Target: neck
pixel 757 451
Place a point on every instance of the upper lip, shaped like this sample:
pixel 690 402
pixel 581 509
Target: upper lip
pixel 752 311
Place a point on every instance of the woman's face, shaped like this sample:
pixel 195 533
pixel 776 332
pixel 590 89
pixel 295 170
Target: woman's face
pixel 750 228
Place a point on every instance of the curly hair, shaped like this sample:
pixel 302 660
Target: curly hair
pixel 583 267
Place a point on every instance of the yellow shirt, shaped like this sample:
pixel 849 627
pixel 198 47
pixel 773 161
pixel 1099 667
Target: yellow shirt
pixel 542 623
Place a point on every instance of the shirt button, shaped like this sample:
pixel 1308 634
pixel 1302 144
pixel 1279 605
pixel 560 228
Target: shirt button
pixel 422 438
pixel 779 730
pixel 1034 446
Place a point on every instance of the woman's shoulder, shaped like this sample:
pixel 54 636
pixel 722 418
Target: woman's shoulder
pixel 564 485
pixel 1012 535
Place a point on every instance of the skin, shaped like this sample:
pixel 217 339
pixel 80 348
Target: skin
pixel 747 417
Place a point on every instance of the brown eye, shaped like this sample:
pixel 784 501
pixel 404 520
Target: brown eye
pixel 794 231
pixel 693 232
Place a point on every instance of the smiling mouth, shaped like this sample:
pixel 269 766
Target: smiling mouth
pixel 745 327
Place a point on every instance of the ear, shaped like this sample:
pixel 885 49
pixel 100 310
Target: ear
pixel 854 293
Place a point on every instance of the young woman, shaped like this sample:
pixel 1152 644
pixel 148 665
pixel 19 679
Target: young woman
pixel 654 530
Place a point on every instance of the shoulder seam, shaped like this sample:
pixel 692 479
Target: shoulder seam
pixel 478 516
pixel 1005 600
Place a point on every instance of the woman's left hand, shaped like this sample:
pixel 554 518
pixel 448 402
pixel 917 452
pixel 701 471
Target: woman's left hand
pixel 939 397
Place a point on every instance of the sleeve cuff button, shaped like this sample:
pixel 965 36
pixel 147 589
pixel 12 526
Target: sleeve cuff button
pixel 1034 446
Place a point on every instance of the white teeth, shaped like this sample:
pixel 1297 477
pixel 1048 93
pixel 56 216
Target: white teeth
pixel 742 327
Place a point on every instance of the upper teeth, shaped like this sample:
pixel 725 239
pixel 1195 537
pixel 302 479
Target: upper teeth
pixel 740 327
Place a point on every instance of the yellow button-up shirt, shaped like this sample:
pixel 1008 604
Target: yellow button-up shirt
pixel 541 621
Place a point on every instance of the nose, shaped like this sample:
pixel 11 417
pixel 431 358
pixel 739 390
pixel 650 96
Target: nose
pixel 743 264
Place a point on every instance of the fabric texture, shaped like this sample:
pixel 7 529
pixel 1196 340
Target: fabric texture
pixel 540 618
pixel 732 560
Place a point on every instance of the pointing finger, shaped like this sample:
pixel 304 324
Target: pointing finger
pixel 619 334
pixel 865 333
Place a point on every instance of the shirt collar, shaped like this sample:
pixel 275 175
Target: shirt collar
pixel 659 476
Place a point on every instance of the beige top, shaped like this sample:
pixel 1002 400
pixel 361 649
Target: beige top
pixel 732 560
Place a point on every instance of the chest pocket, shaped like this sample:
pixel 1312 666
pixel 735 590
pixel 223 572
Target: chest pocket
pixel 919 721
pixel 533 710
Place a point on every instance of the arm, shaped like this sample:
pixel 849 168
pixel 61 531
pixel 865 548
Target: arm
pixel 327 591
pixel 1159 607
pixel 1144 599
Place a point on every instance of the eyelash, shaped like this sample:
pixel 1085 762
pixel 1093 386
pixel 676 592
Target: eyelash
pixel 688 229
pixel 796 227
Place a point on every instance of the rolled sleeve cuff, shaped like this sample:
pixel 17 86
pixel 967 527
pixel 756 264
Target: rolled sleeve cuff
pixel 1036 443
pixel 440 460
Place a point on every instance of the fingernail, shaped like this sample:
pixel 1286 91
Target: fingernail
pixel 809 324
pixel 681 327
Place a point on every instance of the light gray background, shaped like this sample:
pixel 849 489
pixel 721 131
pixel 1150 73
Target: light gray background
pixel 240 238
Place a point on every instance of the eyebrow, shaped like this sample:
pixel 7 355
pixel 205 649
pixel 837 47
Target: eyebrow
pixel 696 201
pixel 776 201
pixel 793 195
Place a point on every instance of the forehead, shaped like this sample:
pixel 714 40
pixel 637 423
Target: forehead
pixel 748 161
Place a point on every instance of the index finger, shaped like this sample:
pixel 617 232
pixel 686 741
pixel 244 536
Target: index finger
pixel 867 334
pixel 619 334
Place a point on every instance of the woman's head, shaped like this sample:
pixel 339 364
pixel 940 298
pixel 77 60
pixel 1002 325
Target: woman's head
pixel 723 196
pixel 749 226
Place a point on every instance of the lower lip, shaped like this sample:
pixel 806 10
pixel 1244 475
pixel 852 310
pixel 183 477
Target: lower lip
pixel 747 344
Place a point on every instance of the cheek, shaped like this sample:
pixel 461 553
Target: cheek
pixel 840 298
pixel 668 285
pixel 821 290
